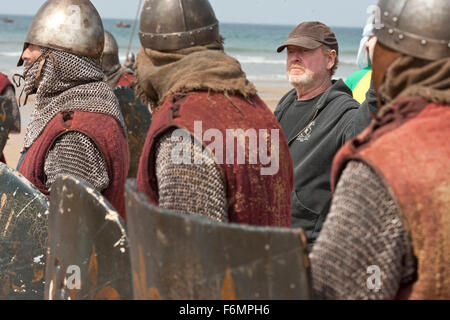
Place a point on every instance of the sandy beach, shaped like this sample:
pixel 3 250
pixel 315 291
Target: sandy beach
pixel 269 93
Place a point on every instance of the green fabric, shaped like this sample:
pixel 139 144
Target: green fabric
pixel 360 91
pixel 353 79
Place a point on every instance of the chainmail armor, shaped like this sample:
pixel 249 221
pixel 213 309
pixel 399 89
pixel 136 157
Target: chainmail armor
pixel 190 188
pixel 75 154
pixel 362 229
pixel 66 82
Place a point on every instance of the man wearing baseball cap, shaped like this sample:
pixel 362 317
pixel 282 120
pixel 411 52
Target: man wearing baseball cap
pixel 318 116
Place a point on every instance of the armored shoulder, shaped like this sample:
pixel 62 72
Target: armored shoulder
pixel 190 187
pixel 74 153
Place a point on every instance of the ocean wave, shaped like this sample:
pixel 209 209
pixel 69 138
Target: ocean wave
pixel 11 54
pixel 242 59
pixel 258 60
pixel 251 50
pixel 267 77
pixel 262 60
pixel 351 62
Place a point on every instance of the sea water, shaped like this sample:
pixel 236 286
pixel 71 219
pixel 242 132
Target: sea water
pixel 253 45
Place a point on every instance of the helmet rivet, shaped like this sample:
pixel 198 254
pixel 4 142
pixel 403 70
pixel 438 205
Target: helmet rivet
pixel 179 35
pixel 423 42
pixel 449 45
pixel 395 19
pixel 192 43
pixel 391 31
pixel 401 37
pixel 386 13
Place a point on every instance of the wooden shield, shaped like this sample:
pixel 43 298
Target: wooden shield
pixel 138 119
pixel 6 120
pixel 179 256
pixel 23 237
pixel 88 255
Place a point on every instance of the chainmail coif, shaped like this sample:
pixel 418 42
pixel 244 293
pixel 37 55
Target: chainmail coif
pixel 66 82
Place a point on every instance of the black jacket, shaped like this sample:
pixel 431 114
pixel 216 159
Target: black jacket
pixel 337 118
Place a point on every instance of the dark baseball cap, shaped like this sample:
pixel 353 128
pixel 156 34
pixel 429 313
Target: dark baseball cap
pixel 311 35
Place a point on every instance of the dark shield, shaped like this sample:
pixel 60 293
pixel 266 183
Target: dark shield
pixel 178 256
pixel 88 255
pixel 23 237
pixel 138 119
pixel 6 120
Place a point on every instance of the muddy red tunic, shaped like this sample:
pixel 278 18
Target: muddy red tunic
pixel 126 80
pixel 252 198
pixel 410 151
pixel 108 136
pixel 4 82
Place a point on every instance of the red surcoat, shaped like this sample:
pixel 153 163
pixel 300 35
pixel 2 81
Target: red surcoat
pixel 4 82
pixel 252 198
pixel 410 151
pixel 104 131
pixel 126 80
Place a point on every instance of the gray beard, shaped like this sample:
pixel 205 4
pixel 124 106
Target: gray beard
pixel 300 81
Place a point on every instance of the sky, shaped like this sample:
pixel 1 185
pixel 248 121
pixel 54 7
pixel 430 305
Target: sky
pixel 343 13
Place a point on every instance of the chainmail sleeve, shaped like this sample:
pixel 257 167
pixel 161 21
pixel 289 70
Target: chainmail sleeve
pixel 75 154
pixel 363 231
pixel 190 188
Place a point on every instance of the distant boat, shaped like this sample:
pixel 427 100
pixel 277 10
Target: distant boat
pixel 8 20
pixel 123 25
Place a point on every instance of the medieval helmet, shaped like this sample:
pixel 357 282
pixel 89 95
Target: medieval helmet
pixel 69 25
pixel 111 46
pixel 168 25
pixel 131 57
pixel 418 28
pixel 110 57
